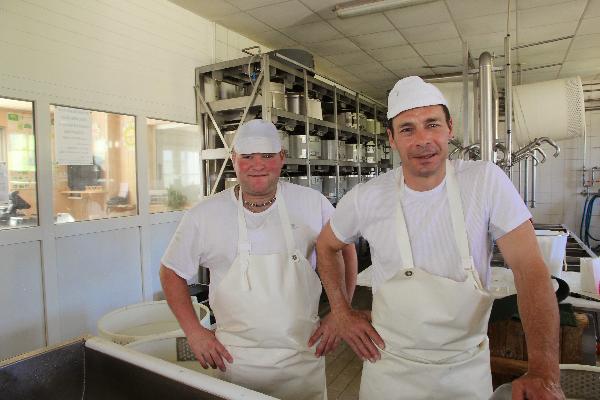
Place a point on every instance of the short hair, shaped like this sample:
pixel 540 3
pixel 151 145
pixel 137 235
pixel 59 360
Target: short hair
pixel 446 114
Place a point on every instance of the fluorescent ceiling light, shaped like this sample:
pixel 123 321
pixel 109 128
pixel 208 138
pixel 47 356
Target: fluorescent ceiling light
pixel 364 7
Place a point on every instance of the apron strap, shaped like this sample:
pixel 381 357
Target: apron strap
pixel 243 242
pixel 286 226
pixel 457 215
pixel 403 238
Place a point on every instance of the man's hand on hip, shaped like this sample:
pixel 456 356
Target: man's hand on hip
pixel 533 387
pixel 326 336
pixel 208 350
pixel 355 328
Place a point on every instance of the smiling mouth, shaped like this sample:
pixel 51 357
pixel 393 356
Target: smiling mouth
pixel 425 156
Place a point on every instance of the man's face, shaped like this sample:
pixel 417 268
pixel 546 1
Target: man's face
pixel 420 136
pixel 258 173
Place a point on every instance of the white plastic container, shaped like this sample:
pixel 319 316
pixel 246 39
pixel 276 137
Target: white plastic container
pixel 138 321
pixel 165 348
pixel 553 245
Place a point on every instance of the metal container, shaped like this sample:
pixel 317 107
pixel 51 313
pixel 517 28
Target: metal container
pixel 341 149
pixel 228 136
pixel 285 141
pixel 370 125
pixel 297 146
pixel 328 149
pixel 362 122
pixel 277 95
pixel 316 182
pixel 343 185
pixel 314 109
pixel 230 182
pixel 352 180
pixel 315 147
pixel 351 152
pixel 294 102
pixel 227 90
pixel 329 189
pixel 369 152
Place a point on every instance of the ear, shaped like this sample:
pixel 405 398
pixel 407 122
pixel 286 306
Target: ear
pixel 391 139
pixel 451 129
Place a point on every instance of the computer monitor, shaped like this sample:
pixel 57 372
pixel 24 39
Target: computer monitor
pixel 80 176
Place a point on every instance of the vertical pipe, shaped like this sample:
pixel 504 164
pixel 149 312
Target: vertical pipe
pixel 465 76
pixel 526 180
pixel 520 177
pixel 533 179
pixel 486 106
pixel 508 111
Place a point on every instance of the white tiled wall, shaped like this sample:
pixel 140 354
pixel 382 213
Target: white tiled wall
pixel 560 182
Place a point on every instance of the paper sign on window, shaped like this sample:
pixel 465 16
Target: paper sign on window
pixel 73 135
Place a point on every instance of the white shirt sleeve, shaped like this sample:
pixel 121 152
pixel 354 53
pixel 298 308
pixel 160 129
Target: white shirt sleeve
pixel 183 254
pixel 506 207
pixel 327 210
pixel 345 220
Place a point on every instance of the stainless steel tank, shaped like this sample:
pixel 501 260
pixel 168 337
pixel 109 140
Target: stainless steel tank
pixel 328 149
pixel 352 152
pixel 343 185
pixel 329 189
pixel 342 149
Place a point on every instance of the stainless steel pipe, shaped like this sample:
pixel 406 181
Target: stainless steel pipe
pixel 486 107
pixel 508 109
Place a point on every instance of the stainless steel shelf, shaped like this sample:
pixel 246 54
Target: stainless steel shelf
pixel 348 164
pixel 323 162
pixel 235 103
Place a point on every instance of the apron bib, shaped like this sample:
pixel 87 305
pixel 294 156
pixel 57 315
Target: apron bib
pixel 266 309
pixel 434 328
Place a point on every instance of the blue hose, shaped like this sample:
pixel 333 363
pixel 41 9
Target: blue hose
pixel 586 219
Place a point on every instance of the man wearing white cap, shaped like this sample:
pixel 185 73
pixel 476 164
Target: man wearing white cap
pixel 430 225
pixel 257 240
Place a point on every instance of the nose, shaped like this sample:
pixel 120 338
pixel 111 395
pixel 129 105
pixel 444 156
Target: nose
pixel 422 136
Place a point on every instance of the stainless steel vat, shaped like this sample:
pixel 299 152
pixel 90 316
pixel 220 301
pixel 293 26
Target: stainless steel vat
pixel 328 149
pixel 329 189
pixel 342 149
pixel 351 152
pixel 294 102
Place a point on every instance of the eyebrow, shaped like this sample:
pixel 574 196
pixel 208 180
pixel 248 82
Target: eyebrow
pixel 427 121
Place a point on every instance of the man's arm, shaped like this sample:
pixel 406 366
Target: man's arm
pixel 350 269
pixel 207 349
pixel 539 314
pixel 350 325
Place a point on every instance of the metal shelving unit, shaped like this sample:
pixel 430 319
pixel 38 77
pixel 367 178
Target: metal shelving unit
pixel 230 92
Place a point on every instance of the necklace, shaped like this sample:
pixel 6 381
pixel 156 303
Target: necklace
pixel 256 205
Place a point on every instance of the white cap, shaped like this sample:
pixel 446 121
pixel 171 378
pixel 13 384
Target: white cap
pixel 412 92
pixel 257 136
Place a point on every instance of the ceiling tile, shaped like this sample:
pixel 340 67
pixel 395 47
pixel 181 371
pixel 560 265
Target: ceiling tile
pixel 408 17
pixel 525 4
pixel 446 70
pixel 463 9
pixel 545 58
pixel 393 53
pixel 541 75
pixel 243 23
pixel 283 15
pixel 484 25
pixel 353 58
pixel 362 25
pixel 207 8
pixel 490 40
pixel 274 39
pixel 557 47
pixel 583 41
pixel 583 54
pixel 449 59
pixel 333 47
pixel 589 26
pixel 439 46
pixel 414 71
pixel 311 33
pixel 427 33
pixel 552 14
pixel 379 40
pixel 324 8
pixel 539 33
pixel 372 67
pixel 593 9
pixel 403 64
pixel 250 4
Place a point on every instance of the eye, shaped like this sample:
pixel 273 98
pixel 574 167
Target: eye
pixel 268 155
pixel 246 156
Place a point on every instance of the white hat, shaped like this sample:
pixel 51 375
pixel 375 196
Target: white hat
pixel 412 92
pixel 257 136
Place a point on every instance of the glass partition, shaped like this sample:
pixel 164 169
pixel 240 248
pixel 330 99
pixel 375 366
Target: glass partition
pixel 18 189
pixel 94 164
pixel 174 165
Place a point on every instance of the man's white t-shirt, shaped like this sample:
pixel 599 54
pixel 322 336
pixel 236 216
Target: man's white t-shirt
pixel 208 233
pixel 491 205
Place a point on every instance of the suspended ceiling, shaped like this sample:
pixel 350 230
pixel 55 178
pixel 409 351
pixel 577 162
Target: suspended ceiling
pixel 369 53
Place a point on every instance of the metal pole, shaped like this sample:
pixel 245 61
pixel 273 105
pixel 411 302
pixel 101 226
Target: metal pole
pixel 526 180
pixel 486 106
pixel 533 179
pixel 508 111
pixel 465 76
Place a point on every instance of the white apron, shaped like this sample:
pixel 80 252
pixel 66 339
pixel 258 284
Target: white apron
pixel 266 309
pixel 434 328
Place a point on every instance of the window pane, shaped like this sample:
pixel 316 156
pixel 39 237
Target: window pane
pixel 18 189
pixel 174 165
pixel 94 164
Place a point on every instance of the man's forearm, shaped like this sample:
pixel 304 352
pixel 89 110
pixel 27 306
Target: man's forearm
pixel 177 295
pixel 350 269
pixel 539 314
pixel 331 272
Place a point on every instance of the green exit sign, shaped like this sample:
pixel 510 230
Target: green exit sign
pixel 13 117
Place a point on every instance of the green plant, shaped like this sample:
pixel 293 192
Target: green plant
pixel 175 199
